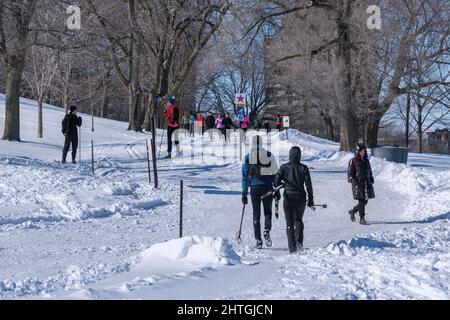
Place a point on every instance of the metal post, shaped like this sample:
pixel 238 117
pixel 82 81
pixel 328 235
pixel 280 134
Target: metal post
pixel 92 151
pixel 155 165
pixel 148 162
pixel 79 148
pixel 181 209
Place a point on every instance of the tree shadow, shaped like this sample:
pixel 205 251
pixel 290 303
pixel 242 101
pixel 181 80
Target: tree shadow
pixel 445 216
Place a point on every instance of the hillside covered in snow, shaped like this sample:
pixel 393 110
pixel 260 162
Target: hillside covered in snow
pixel 65 233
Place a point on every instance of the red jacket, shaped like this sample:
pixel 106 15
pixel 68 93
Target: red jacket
pixel 200 121
pixel 172 116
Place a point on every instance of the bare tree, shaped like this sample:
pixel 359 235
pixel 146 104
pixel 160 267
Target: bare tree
pixel 43 66
pixel 15 20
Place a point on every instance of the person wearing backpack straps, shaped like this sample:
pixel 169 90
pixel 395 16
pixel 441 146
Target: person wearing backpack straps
pixel 295 176
pixel 70 131
pixel 258 174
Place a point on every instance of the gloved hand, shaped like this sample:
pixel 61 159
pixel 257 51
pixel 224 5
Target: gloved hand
pixel 311 204
pixel 245 199
pixel 277 196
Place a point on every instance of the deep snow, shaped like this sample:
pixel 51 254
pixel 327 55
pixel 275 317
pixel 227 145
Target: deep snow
pixel 67 234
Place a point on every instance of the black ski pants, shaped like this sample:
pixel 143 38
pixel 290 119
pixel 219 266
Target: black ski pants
pixel 361 207
pixel 257 193
pixel 294 211
pixel 170 136
pixel 70 140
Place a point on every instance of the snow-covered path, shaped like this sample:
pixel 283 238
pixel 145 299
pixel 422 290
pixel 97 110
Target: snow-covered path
pixel 54 219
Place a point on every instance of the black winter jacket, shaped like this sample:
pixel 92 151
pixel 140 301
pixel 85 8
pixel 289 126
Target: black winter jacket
pixel 295 176
pixel 70 124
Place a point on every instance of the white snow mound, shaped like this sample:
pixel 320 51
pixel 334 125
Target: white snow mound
pixel 194 250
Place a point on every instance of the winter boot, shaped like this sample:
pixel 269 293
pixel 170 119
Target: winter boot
pixel 363 221
pixel 169 156
pixel 259 244
pixel 352 215
pixel 291 240
pixel 268 239
pixel 299 246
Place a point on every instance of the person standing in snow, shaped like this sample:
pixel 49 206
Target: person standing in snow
pixel 70 126
pixel 295 176
pixel 172 116
pixel 258 174
pixel 361 177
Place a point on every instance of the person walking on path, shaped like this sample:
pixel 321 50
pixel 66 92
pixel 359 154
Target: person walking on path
pixel 172 116
pixel 295 176
pixel 361 177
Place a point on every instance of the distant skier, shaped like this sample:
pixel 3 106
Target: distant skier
pixel 258 174
pixel 172 116
pixel 70 131
pixel 295 176
pixel 361 177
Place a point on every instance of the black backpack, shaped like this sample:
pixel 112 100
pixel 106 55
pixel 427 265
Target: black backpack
pixel 256 169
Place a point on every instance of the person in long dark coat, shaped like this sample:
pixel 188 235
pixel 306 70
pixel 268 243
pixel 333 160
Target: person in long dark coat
pixel 361 177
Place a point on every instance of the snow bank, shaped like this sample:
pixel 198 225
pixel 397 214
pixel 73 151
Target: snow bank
pixel 193 250
pixel 427 189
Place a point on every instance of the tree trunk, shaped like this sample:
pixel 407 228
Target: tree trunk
pixel 408 115
pixel 12 108
pixel 349 131
pixel 373 127
pixel 40 119
pixel 135 102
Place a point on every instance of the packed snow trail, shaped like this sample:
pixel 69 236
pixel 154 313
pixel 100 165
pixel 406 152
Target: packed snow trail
pixel 54 219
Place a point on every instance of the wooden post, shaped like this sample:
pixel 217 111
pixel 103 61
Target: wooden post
pixel 148 162
pixel 181 208
pixel 92 152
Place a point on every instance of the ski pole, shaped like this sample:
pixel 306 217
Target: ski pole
pixel 324 206
pixel 238 235
pixel 272 192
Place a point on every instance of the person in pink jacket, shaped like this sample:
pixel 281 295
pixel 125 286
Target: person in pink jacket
pixel 245 124
pixel 220 125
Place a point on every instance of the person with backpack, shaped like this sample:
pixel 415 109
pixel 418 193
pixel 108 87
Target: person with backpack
pixel 361 177
pixel 70 126
pixel 172 116
pixel 295 176
pixel 258 174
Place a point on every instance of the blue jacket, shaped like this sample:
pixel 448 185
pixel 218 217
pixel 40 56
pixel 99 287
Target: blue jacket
pixel 254 182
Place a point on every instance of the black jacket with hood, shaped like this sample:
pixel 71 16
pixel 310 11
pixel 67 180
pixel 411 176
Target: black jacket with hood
pixel 295 176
